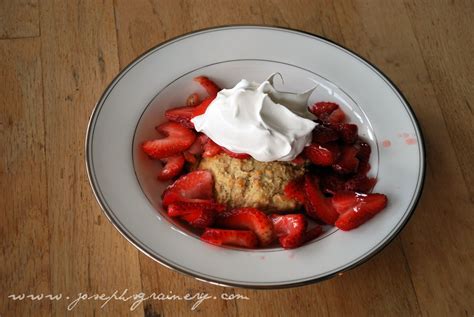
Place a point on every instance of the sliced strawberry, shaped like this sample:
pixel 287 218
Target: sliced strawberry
pixel 211 87
pixel 194 186
pixel 356 208
pixel 178 139
pixel 360 183
pixel 193 100
pixel 289 229
pixel 295 190
pixel 181 115
pixel 323 110
pixel 240 238
pixel 322 155
pixel 236 155
pixel 318 206
pixel 248 218
pixel 202 107
pixel 323 134
pixel 211 149
pixel 337 116
pixel 200 218
pixel 312 233
pixel 348 162
pixel 182 208
pixel 174 165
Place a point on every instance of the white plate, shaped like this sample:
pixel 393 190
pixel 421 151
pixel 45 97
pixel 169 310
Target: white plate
pixel 124 182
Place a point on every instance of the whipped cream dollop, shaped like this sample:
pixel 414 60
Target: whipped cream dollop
pixel 258 120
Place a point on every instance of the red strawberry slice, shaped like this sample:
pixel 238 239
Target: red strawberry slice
pixel 248 218
pixel 181 115
pixel 178 139
pixel 193 100
pixel 322 155
pixel 337 116
pixel 295 190
pixel 202 107
pixel 200 218
pixel 312 233
pixel 356 208
pixel 182 208
pixel 318 206
pixel 348 162
pixel 236 155
pixel 174 165
pixel 239 238
pixel 192 187
pixel 290 229
pixel 211 149
pixel 211 87
pixel 323 134
pixel 322 110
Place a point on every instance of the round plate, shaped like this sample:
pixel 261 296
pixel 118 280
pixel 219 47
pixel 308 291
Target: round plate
pixel 124 180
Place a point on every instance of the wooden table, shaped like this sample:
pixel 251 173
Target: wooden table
pixel 56 57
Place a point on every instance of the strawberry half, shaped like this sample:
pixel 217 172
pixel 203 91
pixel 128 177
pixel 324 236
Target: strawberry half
pixel 181 115
pixel 177 139
pixel 295 190
pixel 323 110
pixel 318 206
pixel 192 187
pixel 290 229
pixel 356 208
pixel 248 218
pixel 239 238
pixel 337 116
pixel 322 155
pixel 211 88
pixel 173 166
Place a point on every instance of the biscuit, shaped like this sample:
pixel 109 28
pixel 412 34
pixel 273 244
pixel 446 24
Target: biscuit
pixel 250 183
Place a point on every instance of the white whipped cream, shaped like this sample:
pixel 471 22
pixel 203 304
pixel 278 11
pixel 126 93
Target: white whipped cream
pixel 258 120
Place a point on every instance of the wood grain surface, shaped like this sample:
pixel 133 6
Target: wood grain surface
pixel 56 58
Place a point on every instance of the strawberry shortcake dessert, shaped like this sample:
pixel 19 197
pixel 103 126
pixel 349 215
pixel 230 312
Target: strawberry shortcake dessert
pixel 254 167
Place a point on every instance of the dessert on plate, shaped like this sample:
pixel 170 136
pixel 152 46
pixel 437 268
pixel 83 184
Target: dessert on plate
pixel 252 166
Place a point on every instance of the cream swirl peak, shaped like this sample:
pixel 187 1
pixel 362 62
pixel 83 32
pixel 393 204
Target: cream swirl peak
pixel 256 119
